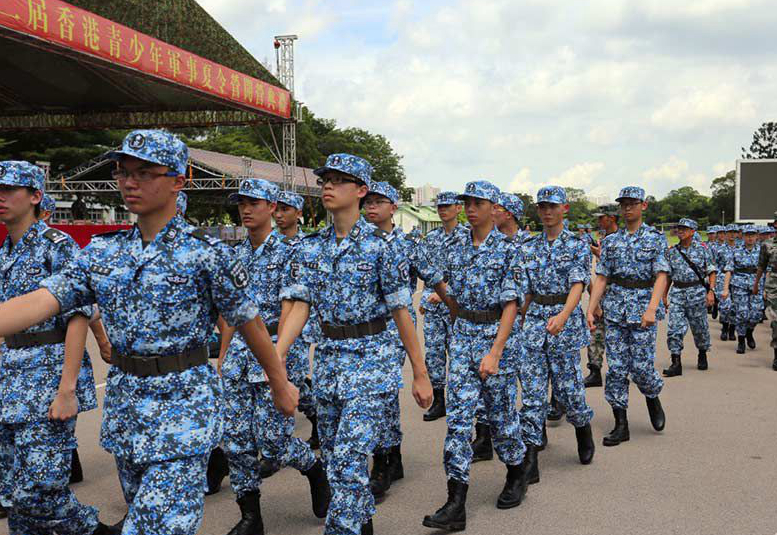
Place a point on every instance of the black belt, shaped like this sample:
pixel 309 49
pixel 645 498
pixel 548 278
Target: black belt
pixel 480 316
pixel 272 328
pixel 151 366
pixel 17 341
pixel 680 284
pixel 633 283
pixel 555 299
pixel 359 330
pixel 749 270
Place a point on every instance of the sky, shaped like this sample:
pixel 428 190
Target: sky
pixel 595 94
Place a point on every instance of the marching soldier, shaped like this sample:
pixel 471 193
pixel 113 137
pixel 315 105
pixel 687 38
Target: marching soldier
pixel 726 239
pixel 690 263
pixel 347 272
pixel 437 326
pixel 634 264
pixel 160 287
pixel 767 265
pixel 746 305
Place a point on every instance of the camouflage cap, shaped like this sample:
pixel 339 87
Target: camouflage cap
pixel 688 223
pixel 749 229
pixel 512 203
pixel 354 166
pixel 155 146
pixel 713 229
pixel 446 198
pixel 611 210
pixel 48 204
pixel 182 202
pixel 765 230
pixel 552 194
pixel 386 190
pixel 481 189
pixel 23 174
pixel 732 228
pixel 255 188
pixel 292 199
pixel 631 192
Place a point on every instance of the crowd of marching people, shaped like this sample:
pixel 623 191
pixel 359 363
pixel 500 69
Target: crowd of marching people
pixel 503 324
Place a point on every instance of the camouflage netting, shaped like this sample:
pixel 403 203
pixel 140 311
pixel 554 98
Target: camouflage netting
pixel 182 23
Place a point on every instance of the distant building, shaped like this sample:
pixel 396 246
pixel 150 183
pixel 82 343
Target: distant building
pixel 425 195
pixel 598 200
pixel 409 217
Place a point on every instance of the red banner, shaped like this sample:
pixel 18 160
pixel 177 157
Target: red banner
pixel 82 234
pixel 77 29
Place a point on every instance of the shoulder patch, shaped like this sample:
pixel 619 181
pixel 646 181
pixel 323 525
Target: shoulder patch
pixel 55 236
pixel 109 234
pixel 204 236
pixel 412 238
pixel 311 235
pixel 380 234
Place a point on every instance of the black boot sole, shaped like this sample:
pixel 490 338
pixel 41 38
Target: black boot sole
pixel 433 417
pixel 668 373
pixel 610 443
pixel 482 457
pixel 511 505
pixel 453 526
pixel 593 384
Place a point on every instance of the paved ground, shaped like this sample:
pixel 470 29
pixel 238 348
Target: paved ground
pixel 712 470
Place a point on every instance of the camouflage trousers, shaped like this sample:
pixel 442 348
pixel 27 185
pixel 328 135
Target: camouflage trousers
pixel 567 379
pixel 437 336
pixel 298 367
pixel 35 469
pixel 276 434
pixel 682 315
pixel 596 348
pixel 747 309
pixel 770 298
pixel 391 426
pixel 724 305
pixel 631 351
pixel 164 498
pixel 349 430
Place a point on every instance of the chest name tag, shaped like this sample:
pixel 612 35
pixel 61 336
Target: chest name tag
pixel 364 267
pixel 100 270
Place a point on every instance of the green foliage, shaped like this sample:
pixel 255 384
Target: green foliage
pixel 764 145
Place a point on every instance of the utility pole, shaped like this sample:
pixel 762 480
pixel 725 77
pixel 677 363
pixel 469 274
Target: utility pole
pixel 284 57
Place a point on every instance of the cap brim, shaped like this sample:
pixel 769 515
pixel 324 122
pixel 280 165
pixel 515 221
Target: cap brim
pixel 234 198
pixel 321 170
pixel 464 196
pixel 117 154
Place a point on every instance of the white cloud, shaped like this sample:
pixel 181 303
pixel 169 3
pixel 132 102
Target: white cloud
pixel 671 170
pixel 580 176
pixel 717 107
pixel 520 182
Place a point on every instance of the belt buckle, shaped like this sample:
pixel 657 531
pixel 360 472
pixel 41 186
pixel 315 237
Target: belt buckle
pixel 146 366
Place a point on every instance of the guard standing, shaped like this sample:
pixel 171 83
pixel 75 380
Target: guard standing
pixel 555 268
pixel 252 423
pixel 723 252
pixel 160 287
pixel 746 306
pixel 437 325
pixel 348 274
pixel 483 282
pixel 690 263
pixel 44 381
pixel 634 264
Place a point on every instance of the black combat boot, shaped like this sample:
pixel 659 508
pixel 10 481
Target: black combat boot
pixel 380 482
pixel 515 487
pixel 268 467
pixel 437 410
pixel 76 472
pixel 314 441
pixel 674 369
pixel 620 432
pixel 542 446
pixel 367 528
pixel 453 515
pixel 320 494
pixel 3 511
pixel 656 412
pixel 103 529
pixel 482 448
pixel 594 378
pixel 774 363
pixel 557 410
pixel 531 464
pixel 702 362
pixel 750 339
pixel 724 331
pixel 217 470
pixel 732 332
pixel 395 469
pixel 585 444
pixel 250 516
pixel 740 345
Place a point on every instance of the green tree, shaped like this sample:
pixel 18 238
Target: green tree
pixel 723 197
pixel 764 145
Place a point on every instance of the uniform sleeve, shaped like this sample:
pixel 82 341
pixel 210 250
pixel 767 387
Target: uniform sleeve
pixel 661 263
pixel 604 265
pixel 229 282
pixel 394 270
pixel 728 261
pixel 71 285
pixel 581 265
pixel 63 254
pixel 424 266
pixel 296 284
pixel 763 257
pixel 709 260
pixel 510 286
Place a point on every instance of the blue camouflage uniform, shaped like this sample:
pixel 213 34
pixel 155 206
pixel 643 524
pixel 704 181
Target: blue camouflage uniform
pixel 481 280
pixel 437 325
pixel 631 349
pixel 181 203
pixel 35 452
pixel 723 253
pixel 746 308
pixel 548 271
pixel 159 299
pixel 350 282
pixel 48 204
pixel 688 295
pixel 252 423
pixel 415 262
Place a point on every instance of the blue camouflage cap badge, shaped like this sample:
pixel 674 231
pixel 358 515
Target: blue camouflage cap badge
pixel 631 192
pixel 255 188
pixel 386 190
pixel 292 199
pixel 687 223
pixel 21 173
pixel 447 198
pixel 154 146
pixel 552 195
pixel 481 189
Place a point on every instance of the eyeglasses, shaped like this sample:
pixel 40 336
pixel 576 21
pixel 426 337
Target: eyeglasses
pixel 139 175
pixel 376 202
pixel 335 180
pixel 629 204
